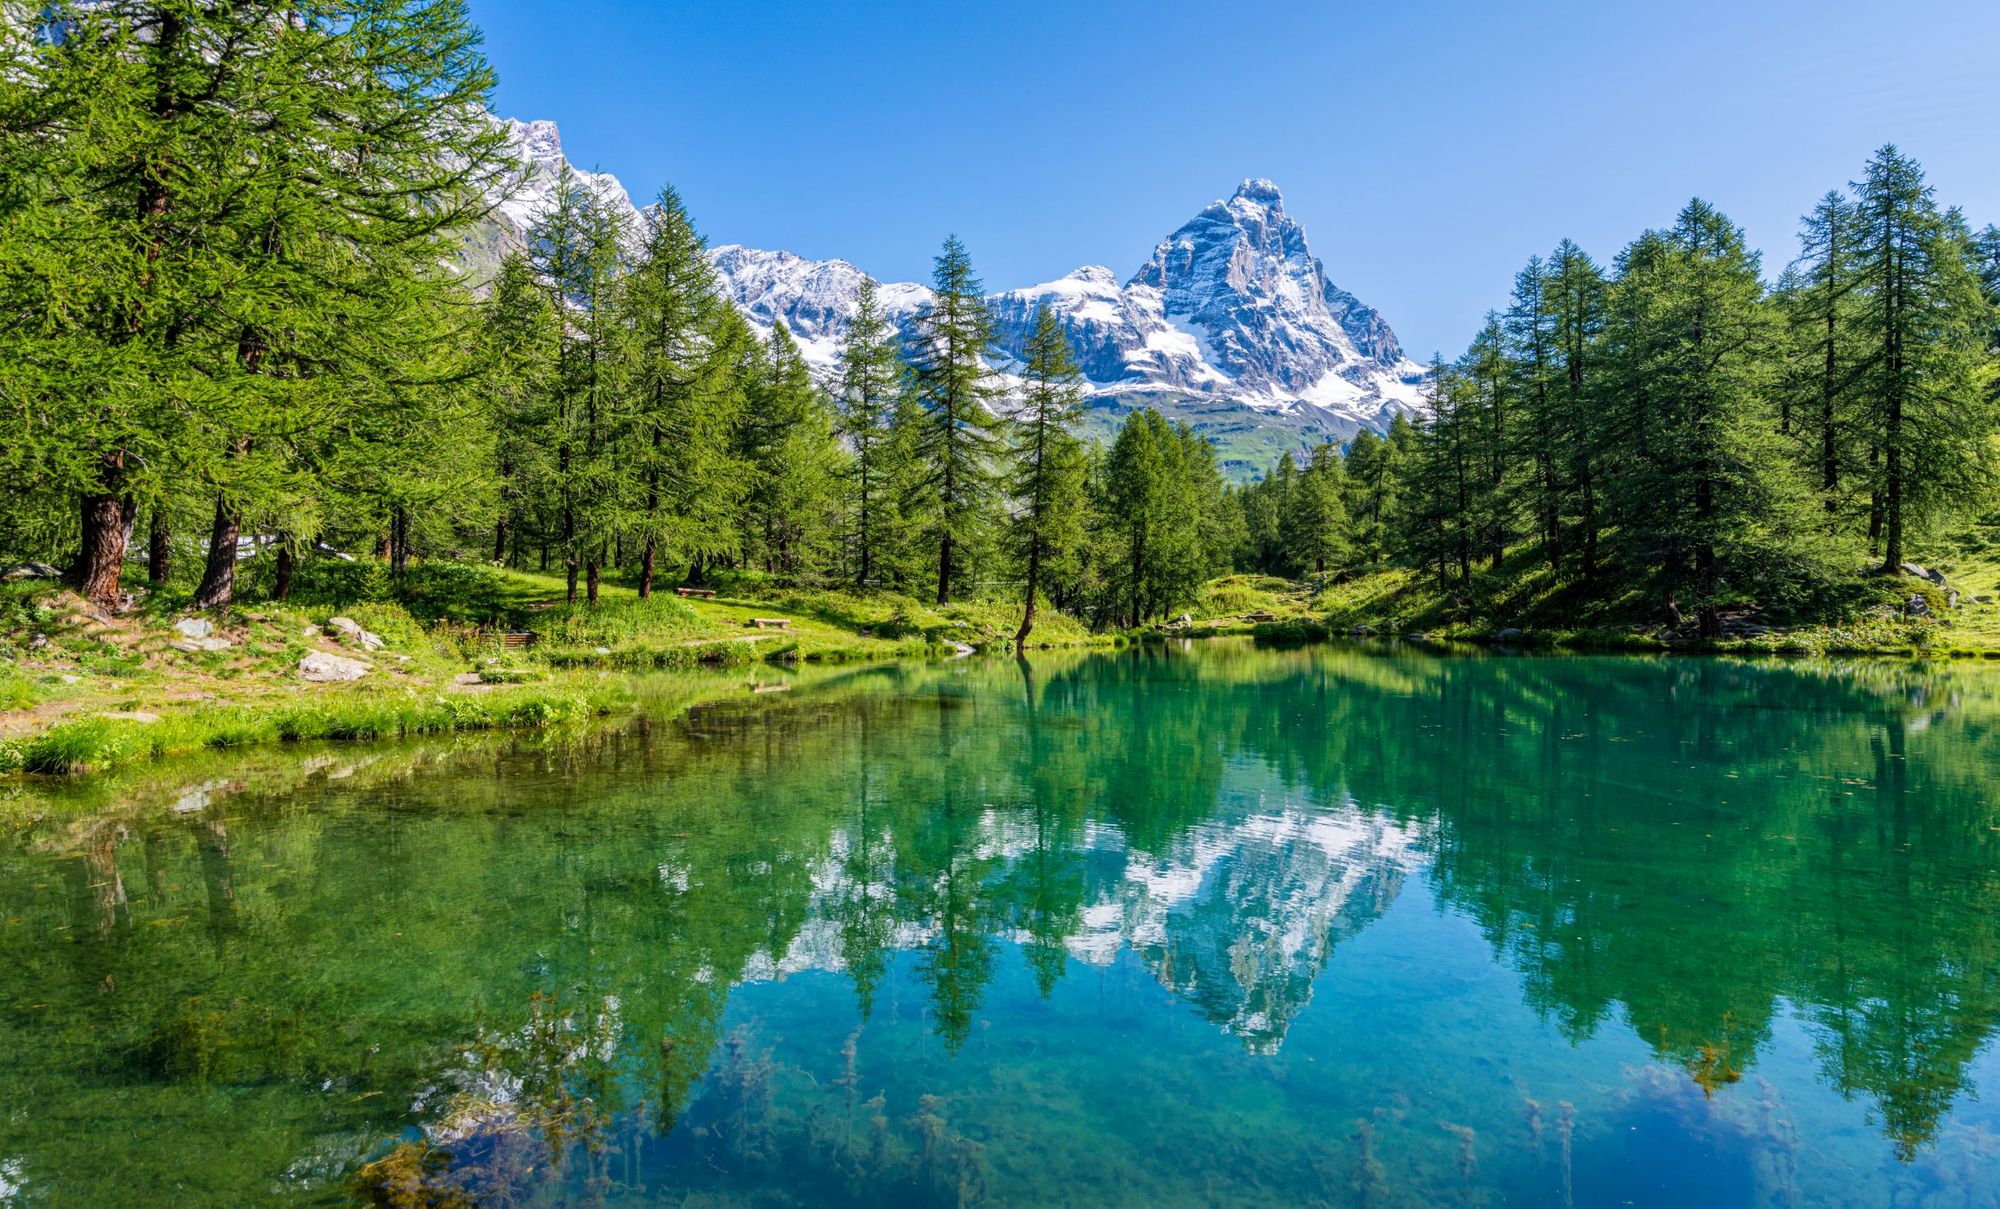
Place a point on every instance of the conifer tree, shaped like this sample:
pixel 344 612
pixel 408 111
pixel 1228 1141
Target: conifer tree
pixel 870 376
pixel 203 285
pixel 1818 295
pixel 959 440
pixel 573 247
pixel 1315 523
pixel 677 403
pixel 1924 407
pixel 1048 465
pixel 1713 505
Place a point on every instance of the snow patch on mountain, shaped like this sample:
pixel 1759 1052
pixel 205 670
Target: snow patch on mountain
pixel 1231 309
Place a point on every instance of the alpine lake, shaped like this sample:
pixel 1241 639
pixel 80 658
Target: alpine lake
pixel 1206 924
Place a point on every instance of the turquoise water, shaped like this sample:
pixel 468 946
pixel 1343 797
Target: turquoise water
pixel 1214 925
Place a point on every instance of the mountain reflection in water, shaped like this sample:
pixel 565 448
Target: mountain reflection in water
pixel 1220 925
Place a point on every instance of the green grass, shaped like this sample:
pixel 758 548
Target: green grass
pixel 94 744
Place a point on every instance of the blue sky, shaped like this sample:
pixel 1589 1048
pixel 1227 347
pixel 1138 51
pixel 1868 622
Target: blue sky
pixel 1427 147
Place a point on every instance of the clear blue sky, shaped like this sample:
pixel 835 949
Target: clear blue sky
pixel 1427 147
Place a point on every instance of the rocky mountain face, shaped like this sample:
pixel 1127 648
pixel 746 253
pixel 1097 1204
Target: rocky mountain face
pixel 1231 325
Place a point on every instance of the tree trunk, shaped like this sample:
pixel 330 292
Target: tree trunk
pixel 218 575
pixel 100 557
pixel 101 552
pixel 500 539
pixel 159 546
pixel 1028 614
pixel 944 570
pixel 281 588
pixel 646 571
pixel 591 572
pixel 569 550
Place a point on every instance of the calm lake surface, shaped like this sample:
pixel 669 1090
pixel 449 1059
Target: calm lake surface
pixel 1223 925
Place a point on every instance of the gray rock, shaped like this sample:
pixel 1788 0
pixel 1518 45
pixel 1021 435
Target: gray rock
pixel 351 630
pixel 1363 631
pixel 1916 607
pixel 322 668
pixel 213 644
pixel 1509 632
pixel 29 571
pixel 193 627
pixel 133 715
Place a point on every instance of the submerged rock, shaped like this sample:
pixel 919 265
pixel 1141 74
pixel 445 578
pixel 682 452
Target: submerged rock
pixel 322 668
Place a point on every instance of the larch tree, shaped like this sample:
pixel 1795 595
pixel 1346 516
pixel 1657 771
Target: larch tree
pixel 678 421
pixel 1048 479
pixel 959 440
pixel 870 377
pixel 1924 412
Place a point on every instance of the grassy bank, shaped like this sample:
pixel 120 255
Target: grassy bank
pixel 1521 603
pixel 449 648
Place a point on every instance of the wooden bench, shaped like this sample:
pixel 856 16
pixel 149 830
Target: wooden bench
pixel 703 593
pixel 517 639
pixel 770 623
pixel 1260 617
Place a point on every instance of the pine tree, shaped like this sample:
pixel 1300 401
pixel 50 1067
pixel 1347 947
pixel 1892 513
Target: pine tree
pixel 1315 523
pixel 959 440
pixel 1575 297
pixel 205 286
pixel 1532 349
pixel 680 420
pixel 1925 411
pixel 870 376
pixel 1818 295
pixel 795 464
pixel 573 246
pixel 1713 506
pixel 518 353
pixel 1048 464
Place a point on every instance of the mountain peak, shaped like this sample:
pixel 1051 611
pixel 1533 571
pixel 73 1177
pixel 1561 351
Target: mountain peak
pixel 1261 190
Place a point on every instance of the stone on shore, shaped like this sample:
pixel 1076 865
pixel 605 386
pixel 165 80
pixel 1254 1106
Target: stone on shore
pixel 322 668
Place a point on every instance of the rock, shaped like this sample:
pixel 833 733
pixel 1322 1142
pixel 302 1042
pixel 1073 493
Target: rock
pixel 1951 599
pixel 603 650
pixel 193 627
pixel 132 715
pixel 72 680
pixel 1363 631
pixel 351 630
pixel 38 642
pixel 311 631
pixel 322 668
pixel 1509 632
pixel 213 644
pixel 29 571
pixel 1982 600
pixel 464 679
pixel 1936 577
pixel 1917 607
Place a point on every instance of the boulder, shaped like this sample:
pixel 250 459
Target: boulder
pixel 322 668
pixel 193 627
pixel 1917 607
pixel 29 571
pixel 1509 632
pixel 351 630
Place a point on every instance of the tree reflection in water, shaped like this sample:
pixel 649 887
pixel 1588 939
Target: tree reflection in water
pixel 859 943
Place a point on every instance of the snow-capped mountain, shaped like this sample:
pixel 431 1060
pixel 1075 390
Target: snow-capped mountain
pixel 1231 325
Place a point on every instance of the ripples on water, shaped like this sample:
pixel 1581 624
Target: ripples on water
pixel 1223 926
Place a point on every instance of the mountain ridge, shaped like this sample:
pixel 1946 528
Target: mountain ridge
pixel 1231 324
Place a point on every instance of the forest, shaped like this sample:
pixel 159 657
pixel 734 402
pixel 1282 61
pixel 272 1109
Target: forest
pixel 239 339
